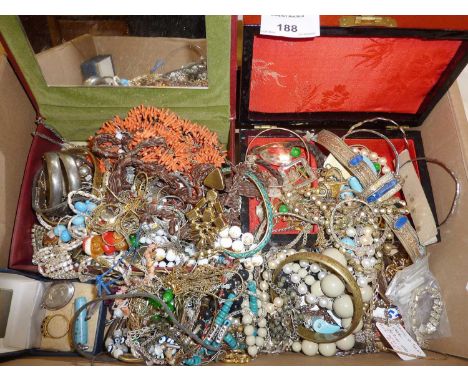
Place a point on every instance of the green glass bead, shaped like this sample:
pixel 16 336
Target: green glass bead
pixel 295 152
pixel 154 303
pixel 168 296
pixel 377 166
pixel 171 305
pixel 283 208
pixel 133 240
pixel 156 317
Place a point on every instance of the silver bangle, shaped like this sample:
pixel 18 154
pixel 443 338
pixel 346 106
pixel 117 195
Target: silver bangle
pixel 73 182
pixel 54 178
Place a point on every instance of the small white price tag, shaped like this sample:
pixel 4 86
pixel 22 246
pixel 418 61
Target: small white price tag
pixel 400 340
pixel 294 26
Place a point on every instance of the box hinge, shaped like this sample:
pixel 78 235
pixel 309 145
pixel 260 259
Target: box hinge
pixel 366 21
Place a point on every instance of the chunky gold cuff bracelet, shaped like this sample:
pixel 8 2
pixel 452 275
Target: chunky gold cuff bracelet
pixel 350 283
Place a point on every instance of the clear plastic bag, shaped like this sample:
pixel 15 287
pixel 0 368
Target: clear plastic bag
pixel 417 294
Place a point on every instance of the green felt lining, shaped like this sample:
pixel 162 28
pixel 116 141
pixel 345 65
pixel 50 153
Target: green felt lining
pixel 77 112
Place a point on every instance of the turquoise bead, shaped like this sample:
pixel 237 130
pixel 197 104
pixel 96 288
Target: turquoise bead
pixel 90 206
pixel 370 164
pixel 78 221
pixel 81 206
pixel 348 241
pixel 230 340
pixel 65 236
pixel 355 184
pixel 59 229
pixel 323 327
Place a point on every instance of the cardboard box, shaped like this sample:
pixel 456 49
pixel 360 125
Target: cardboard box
pixel 131 56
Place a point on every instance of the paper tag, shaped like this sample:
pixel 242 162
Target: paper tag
pixel 299 26
pixel 331 160
pixel 417 202
pixel 400 340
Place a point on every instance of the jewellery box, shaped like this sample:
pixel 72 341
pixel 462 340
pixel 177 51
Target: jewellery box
pixel 28 105
pixel 395 71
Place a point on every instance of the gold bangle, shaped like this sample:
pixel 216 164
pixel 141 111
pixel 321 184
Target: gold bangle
pixel 46 322
pixel 351 286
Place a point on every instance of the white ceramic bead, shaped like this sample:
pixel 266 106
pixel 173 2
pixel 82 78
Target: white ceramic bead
pixel 321 275
pixel 249 330
pixel 278 302
pixel 250 340
pixel 309 348
pixel 252 350
pixel 330 304
pixel 355 150
pixel 295 278
pixel 262 332
pixel 366 263
pixel 346 343
pixel 235 232
pixel 366 293
pixel 266 275
pixel 335 255
pixel 367 230
pixel 383 161
pixel 373 156
pixel 351 232
pixel 365 152
pixel 316 290
pixel 247 319
pixel 224 232
pixel 295 267
pixel 304 263
pixel 323 302
pixel 259 341
pixel 327 350
pixel 311 299
pixel 247 238
pixel 226 242
pixel 238 246
pixel 282 256
pixel 160 254
pixel 170 264
pixel 332 286
pixel 309 279
pixel 296 346
pixel 270 308
pixel 385 170
pixel 170 254
pixel 365 240
pixel 302 273
pixel 287 269
pixel 290 252
pixel 302 288
pixel 162 264
pixel 343 306
pixel 345 322
pixel 272 264
pixel 257 260
pixel 263 285
pixel 262 323
pixel 362 281
pixel 314 268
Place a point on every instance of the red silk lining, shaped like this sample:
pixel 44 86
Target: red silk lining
pixel 345 74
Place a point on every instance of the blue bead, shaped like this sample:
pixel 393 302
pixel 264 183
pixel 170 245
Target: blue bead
pixel 59 229
pixel 65 236
pixel 348 241
pixel 323 327
pixel 355 184
pixel 80 206
pixel 400 222
pixel 78 221
pixel 90 206
pixel 354 161
pixel 370 164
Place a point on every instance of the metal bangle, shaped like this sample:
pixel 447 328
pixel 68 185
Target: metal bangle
pixel 392 146
pixel 73 177
pixel 452 175
pixel 54 177
pixel 345 276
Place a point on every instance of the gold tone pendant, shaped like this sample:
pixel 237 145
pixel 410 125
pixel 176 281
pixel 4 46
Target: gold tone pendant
pixel 215 180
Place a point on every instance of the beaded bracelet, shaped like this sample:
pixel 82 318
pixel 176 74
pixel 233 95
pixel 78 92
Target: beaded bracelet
pixel 269 217
pixel 346 276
